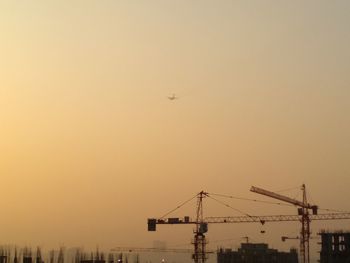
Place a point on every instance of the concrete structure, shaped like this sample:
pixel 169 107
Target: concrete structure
pixel 256 253
pixel 335 247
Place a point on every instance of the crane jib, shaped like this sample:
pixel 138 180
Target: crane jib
pixel 152 222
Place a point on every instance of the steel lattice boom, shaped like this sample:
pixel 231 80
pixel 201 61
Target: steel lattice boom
pixel 248 219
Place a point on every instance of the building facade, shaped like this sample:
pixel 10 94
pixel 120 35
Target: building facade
pixel 256 253
pixel 335 247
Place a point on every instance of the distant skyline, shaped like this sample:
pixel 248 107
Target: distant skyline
pixel 91 146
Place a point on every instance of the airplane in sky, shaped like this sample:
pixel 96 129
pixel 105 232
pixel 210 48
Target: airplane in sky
pixel 173 97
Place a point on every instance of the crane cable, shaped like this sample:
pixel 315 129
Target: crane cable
pixel 227 205
pixel 274 203
pixel 240 198
pixel 333 210
pixel 253 200
pixel 179 206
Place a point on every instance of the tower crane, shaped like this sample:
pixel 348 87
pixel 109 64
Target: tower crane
pixel 201 223
pixel 303 211
pixel 201 227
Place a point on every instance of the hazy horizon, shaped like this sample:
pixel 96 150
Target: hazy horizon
pixel 91 146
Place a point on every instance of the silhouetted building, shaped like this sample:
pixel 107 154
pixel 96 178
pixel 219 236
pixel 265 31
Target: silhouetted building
pixel 335 247
pixel 256 253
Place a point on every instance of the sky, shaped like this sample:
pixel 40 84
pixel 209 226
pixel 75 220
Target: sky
pixel 91 147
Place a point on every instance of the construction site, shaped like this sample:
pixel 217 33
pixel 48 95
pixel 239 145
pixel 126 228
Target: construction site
pixel 334 247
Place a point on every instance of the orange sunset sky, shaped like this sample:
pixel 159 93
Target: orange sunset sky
pixel 91 147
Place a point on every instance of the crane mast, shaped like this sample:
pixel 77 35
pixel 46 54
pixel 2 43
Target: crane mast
pixel 199 241
pixel 303 211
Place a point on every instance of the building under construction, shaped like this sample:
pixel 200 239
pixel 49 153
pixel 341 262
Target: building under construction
pixel 256 253
pixel 335 247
